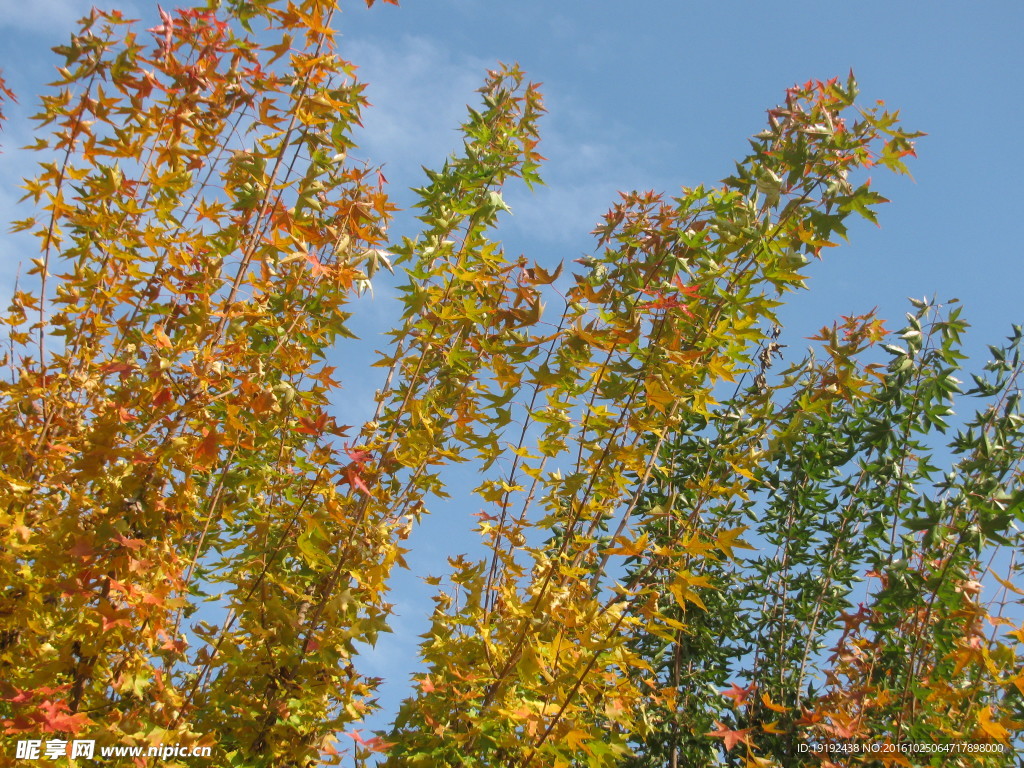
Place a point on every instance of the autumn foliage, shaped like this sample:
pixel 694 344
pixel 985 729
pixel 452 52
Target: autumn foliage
pixel 692 553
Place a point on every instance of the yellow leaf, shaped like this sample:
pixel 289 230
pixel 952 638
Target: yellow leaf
pixel 727 540
pixel 629 548
pixel 1019 682
pixel 683 594
pixel 1007 584
pixel 991 727
pixel 720 367
pixel 657 395
pixel 695 547
pixel 576 739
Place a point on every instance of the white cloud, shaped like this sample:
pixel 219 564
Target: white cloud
pixel 419 92
pixel 42 16
pixel 55 18
pixel 588 162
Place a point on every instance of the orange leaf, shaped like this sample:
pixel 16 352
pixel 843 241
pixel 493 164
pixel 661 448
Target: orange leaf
pixel 739 695
pixel 992 728
pixel 55 718
pixel 730 737
pixel 767 701
pixel 208 448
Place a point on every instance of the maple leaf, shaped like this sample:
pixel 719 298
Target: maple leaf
pixel 111 618
pixel 317 267
pixel 852 621
pixel 374 744
pixel 208 448
pixel 992 728
pixel 730 737
pixel 808 717
pixel 19 724
pixel 739 695
pixel 1018 681
pixel 56 717
pixel 118 367
pixel 312 427
pixel 162 397
pixel 280 49
pixel 328 748
pixel 176 645
pixel 324 376
pixel 577 739
pixel 139 566
pixel 133 544
pixel 358 456
pixel 842 731
pixel 377 744
pixel 152 598
pixel 629 548
pixel 767 701
pixel 18 698
pixel 690 290
pixel 165 30
pixel 355 480
pixel 82 548
pixel 729 540
pixel 426 685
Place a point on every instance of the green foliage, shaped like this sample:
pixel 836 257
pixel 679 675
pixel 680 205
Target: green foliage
pixel 858 619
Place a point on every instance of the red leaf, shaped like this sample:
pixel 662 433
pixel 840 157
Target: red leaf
pixel 165 30
pixel 354 479
pixel 316 266
pixel 82 548
pixel 739 695
pixel 209 447
pixel 310 427
pixel 133 544
pixel 56 719
pixel 359 457
pixel 162 397
pixel 116 618
pixel 178 645
pixel 121 368
pixel 690 290
pixel 375 744
pixel 730 737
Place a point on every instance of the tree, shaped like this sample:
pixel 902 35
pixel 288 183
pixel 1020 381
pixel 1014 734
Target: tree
pixel 166 440
pixel 791 644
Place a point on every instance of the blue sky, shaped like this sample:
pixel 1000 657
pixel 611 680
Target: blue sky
pixel 665 94
pixel 659 94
